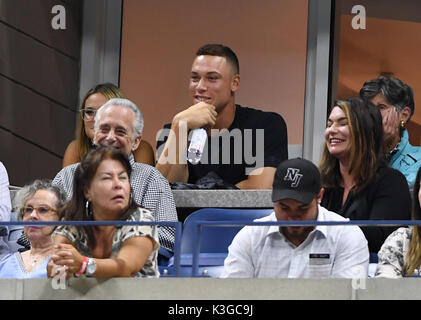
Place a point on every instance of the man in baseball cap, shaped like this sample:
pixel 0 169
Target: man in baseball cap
pixel 296 194
pixel 298 251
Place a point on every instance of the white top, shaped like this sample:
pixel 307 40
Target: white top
pixel 5 205
pixel 393 254
pixel 328 252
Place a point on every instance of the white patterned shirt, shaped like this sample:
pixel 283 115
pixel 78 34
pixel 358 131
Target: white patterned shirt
pixel 393 253
pixel 328 252
pixel 79 239
pixel 151 191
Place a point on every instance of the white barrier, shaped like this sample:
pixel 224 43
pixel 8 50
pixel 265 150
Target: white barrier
pixel 212 289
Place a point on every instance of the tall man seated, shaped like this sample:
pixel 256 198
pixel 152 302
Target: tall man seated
pixel 244 145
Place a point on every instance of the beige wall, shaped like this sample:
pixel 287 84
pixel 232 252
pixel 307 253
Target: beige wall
pixel 159 42
pixel 385 45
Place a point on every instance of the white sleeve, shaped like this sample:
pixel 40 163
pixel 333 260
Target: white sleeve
pixel 239 262
pixel 352 256
pixel 5 205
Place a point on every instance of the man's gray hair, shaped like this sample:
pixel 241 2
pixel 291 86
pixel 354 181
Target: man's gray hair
pixel 124 103
pixel 27 191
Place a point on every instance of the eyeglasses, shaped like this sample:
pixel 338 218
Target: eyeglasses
pixel 88 114
pixel 41 210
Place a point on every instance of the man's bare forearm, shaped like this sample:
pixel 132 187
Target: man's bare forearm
pixel 172 161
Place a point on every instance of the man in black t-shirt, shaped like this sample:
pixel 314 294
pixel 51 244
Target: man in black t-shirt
pixel 244 145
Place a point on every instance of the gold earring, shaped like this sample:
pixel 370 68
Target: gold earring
pixel 402 124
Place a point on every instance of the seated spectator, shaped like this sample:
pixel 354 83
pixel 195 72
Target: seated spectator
pixel 37 202
pixel 244 145
pixel 5 208
pixel 298 252
pixel 400 255
pixel 119 123
pixel 93 100
pixel 358 183
pixel 395 100
pixel 102 192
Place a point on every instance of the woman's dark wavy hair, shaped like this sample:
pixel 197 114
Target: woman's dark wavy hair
pixel 366 135
pixel 413 259
pixel 75 209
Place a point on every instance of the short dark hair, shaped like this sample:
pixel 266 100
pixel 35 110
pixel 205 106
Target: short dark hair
pixel 220 50
pixel 395 91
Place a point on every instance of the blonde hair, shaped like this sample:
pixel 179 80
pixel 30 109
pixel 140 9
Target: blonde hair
pixel 413 258
pixel 109 91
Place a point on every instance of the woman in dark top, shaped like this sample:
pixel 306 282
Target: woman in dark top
pixel 358 182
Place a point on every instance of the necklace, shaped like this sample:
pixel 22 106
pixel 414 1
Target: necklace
pixel 35 259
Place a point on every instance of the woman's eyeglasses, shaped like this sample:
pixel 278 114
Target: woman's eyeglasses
pixel 41 210
pixel 88 114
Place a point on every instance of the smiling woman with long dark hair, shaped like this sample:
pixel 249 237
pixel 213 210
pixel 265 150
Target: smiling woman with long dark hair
pixel 358 182
pixel 101 191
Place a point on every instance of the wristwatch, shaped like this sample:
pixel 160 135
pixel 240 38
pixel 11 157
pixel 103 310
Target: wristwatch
pixel 91 267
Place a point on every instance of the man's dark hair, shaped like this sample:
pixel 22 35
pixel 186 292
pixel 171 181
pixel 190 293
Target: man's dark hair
pixel 220 50
pixel 395 91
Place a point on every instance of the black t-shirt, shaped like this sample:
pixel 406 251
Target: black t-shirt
pixel 255 139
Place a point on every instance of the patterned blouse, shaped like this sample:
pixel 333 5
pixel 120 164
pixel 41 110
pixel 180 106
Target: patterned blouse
pixel 392 255
pixel 150 269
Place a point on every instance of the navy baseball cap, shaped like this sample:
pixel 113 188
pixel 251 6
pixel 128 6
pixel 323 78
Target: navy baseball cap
pixel 297 179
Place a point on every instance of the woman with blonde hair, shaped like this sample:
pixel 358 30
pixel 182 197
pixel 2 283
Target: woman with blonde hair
pixel 358 182
pixel 93 100
pixel 400 254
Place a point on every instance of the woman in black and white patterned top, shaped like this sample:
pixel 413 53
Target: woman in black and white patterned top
pixel 101 191
pixel 400 255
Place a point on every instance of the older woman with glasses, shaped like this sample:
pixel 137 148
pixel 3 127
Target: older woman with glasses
pixel 93 100
pixel 39 201
pixel 102 192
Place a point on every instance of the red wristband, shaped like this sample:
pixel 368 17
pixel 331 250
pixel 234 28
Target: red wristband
pixel 82 269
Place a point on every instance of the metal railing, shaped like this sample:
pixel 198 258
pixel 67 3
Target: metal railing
pixel 199 224
pixel 177 225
